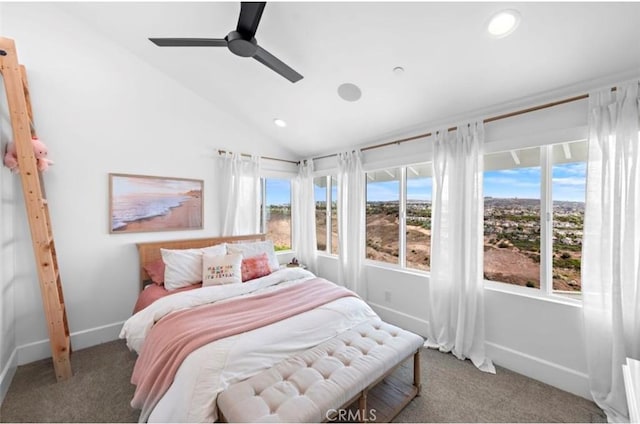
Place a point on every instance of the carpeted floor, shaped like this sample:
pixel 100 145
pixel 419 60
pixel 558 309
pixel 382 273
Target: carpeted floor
pixel 453 391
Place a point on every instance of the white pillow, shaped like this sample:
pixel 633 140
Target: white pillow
pixel 221 269
pixel 249 250
pixel 183 267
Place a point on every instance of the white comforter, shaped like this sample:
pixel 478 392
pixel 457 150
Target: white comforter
pixel 213 367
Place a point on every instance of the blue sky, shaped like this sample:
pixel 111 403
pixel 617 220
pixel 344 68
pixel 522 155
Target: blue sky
pixel 568 182
pixel 524 183
pixel 417 189
pixel 278 192
pixel 568 185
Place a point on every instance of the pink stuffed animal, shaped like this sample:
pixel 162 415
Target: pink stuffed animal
pixel 39 150
pixel 11 157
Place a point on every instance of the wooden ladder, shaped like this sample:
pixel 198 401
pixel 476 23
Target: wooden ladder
pixel 18 100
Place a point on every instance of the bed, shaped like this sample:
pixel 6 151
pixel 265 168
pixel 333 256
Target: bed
pixel 189 393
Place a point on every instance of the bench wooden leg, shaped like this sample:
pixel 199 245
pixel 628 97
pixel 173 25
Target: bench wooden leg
pixel 416 372
pixel 362 406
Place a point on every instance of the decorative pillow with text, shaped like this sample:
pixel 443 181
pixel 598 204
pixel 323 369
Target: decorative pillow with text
pixel 224 269
pixel 184 266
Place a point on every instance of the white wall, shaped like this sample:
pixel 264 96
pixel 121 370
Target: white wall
pixel 8 361
pixel 100 110
pixel 7 263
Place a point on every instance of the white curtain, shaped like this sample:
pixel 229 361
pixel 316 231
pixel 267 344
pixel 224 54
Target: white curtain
pixel 303 211
pixel 351 222
pixel 240 194
pixel 611 245
pixel 456 294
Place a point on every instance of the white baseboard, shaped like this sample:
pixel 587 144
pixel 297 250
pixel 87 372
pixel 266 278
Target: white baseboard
pixel 402 320
pixel 7 374
pixel 556 375
pixel 41 349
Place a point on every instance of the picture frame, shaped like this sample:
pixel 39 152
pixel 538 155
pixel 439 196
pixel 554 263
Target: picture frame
pixel 143 203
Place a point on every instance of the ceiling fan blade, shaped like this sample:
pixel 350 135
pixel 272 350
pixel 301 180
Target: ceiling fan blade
pixel 276 64
pixel 189 42
pixel 250 14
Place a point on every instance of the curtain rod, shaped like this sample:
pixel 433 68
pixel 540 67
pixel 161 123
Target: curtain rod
pixel 485 121
pixel 246 155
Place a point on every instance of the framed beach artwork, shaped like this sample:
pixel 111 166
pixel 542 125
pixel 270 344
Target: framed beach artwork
pixel 142 203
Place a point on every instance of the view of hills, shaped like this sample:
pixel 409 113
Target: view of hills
pixel 511 237
pixel 511 241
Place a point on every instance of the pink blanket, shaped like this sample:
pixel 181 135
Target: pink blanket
pixel 174 337
pixel 154 292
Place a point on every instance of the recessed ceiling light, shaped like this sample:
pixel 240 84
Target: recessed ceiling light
pixel 280 123
pixel 398 70
pixel 349 92
pixel 503 23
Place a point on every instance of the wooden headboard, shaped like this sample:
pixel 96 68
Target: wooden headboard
pixel 150 251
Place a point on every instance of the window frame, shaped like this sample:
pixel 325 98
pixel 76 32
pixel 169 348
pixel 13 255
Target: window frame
pixel 402 219
pixel 263 207
pixel 500 143
pixel 546 231
pixel 328 250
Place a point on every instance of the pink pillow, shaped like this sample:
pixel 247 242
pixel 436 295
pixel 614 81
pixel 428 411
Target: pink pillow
pixel 255 267
pixel 155 271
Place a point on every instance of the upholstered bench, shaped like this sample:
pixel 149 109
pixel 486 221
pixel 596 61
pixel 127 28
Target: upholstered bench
pixel 318 384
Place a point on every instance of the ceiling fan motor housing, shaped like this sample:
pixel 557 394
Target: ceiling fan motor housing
pixel 240 45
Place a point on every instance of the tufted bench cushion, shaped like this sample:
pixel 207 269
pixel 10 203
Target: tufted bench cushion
pixel 306 386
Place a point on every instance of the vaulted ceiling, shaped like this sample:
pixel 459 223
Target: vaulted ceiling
pixel 452 66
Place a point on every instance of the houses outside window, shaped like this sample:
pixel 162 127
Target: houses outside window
pixel 533 216
pixel 418 216
pixel 534 200
pixel 512 217
pixel 568 181
pixel 383 215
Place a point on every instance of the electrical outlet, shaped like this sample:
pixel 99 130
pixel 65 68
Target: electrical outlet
pixel 387 296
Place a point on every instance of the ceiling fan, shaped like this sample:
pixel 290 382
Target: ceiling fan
pixel 241 42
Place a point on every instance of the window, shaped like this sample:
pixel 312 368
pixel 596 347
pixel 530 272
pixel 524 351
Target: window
pixel 383 215
pixel 276 212
pixel 418 199
pixel 533 216
pixel 398 216
pixel 320 194
pixel 512 217
pixel 334 215
pixel 326 193
pixel 568 193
